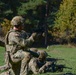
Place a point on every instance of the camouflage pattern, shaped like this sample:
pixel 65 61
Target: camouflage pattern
pixel 17 20
pixel 39 65
pixel 45 67
pixel 42 55
pixel 42 64
pixel 17 43
pixel 33 66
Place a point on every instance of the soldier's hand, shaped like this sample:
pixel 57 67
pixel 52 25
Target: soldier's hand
pixel 48 64
pixel 41 70
pixel 34 35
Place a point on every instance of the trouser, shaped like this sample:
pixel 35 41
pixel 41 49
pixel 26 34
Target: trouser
pixel 24 57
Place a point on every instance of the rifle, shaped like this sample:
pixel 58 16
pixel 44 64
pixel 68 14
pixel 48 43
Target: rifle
pixel 33 53
pixel 62 66
pixel 58 68
pixel 38 30
pixel 51 66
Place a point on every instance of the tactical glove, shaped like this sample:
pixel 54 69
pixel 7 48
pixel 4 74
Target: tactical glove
pixel 34 35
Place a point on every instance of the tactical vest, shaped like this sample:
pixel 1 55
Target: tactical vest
pixel 6 38
pixel 7 46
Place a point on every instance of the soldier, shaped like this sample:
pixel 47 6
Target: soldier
pixel 17 43
pixel 39 65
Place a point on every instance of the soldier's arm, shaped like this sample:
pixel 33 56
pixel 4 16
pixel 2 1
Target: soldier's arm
pixel 17 39
pixel 44 67
pixel 30 40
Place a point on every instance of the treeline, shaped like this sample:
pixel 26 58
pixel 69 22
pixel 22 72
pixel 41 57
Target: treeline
pixel 61 17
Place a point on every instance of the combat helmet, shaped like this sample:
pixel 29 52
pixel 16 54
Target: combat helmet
pixel 17 20
pixel 42 55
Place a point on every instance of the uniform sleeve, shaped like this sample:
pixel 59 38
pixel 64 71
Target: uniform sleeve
pixel 15 38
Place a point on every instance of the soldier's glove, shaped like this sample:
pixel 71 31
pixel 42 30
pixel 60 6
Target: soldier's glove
pixel 48 64
pixel 34 35
pixel 41 70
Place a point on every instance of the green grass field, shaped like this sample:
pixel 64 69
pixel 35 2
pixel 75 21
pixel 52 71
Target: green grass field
pixel 2 53
pixel 66 56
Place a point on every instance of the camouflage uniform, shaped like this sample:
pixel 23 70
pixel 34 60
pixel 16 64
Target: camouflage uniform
pixel 16 43
pixel 39 65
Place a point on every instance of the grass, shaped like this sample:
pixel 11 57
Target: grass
pixel 66 56
pixel 2 55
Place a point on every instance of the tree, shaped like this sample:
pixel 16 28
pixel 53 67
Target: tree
pixel 5 9
pixel 65 26
pixel 33 11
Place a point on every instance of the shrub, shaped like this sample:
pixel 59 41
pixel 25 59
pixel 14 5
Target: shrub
pixel 6 26
pixel 65 23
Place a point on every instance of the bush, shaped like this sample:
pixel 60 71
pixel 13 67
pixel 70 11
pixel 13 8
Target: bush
pixel 6 26
pixel 65 26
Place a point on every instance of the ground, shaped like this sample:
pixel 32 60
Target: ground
pixel 63 55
